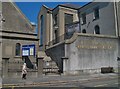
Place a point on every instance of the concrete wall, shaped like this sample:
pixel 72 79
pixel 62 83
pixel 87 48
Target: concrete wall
pixel 61 18
pixel 106 20
pixel 88 54
pixel 46 27
pixel 60 26
pixel 56 53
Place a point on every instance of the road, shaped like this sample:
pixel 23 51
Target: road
pixel 112 82
pixel 94 83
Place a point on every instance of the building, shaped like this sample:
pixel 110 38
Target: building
pixel 93 18
pixel 17 32
pixel 81 39
pixel 53 21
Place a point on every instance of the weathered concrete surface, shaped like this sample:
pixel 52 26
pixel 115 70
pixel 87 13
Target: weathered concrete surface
pixel 88 54
pixel 56 53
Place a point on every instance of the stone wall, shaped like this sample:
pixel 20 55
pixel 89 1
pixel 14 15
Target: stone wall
pixel 15 29
pixel 15 62
pixel 9 48
pixel 15 20
pixel 88 54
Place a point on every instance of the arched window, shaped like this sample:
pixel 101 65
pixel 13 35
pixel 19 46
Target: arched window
pixel 18 47
pixel 97 29
pixel 83 31
pixel 41 30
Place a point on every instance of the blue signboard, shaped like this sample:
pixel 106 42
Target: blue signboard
pixel 28 50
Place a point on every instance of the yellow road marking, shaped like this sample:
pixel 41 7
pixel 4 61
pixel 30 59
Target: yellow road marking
pixel 53 83
pixel 103 85
pixel 100 85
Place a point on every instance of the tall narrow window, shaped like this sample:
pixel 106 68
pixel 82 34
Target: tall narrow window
pixel 41 30
pixel 68 18
pixel 56 38
pixel 83 17
pixel 97 29
pixel 96 13
pixel 18 47
pixel 55 19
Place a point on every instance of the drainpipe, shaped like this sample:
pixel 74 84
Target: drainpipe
pixel 116 17
pixel 117 24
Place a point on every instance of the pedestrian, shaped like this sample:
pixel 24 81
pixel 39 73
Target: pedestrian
pixel 24 71
pixel 35 66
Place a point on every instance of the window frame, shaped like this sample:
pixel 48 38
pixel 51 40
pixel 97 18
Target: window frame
pixel 41 30
pixel 97 31
pixel 83 18
pixel 96 13
pixel 55 19
pixel 84 31
pixel 65 15
pixel 18 49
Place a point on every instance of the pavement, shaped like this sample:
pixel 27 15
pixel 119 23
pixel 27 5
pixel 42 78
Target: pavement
pixel 51 80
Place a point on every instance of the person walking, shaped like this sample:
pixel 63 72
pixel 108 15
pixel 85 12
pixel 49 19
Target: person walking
pixel 24 71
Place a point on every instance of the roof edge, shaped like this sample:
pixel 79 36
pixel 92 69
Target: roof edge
pixel 18 9
pixel 65 7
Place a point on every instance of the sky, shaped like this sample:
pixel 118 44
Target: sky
pixel 31 9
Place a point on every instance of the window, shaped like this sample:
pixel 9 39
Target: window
pixel 56 38
pixel 18 47
pixel 41 30
pixel 55 19
pixel 97 29
pixel 68 18
pixel 96 13
pixel 83 31
pixel 83 17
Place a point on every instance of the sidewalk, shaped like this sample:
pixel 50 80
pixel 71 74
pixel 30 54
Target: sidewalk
pixel 50 79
